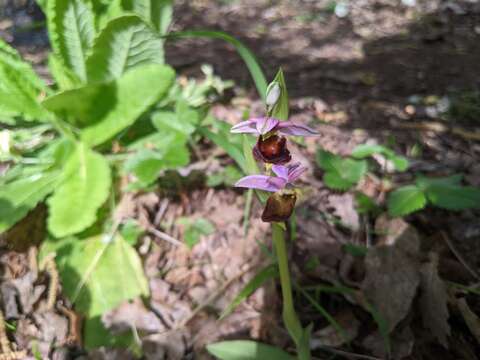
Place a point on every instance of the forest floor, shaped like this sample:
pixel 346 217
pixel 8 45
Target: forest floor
pixel 385 73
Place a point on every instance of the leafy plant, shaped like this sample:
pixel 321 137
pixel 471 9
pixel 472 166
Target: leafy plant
pixel 246 350
pixel 340 173
pixel 446 193
pixel 193 230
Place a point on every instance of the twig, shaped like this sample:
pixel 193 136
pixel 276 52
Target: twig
pixel 164 236
pixel 50 267
pixel 75 326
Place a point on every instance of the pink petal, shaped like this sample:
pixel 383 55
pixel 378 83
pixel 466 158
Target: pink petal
pixel 264 125
pixel 291 128
pixel 281 171
pixel 262 182
pixel 295 171
pixel 246 127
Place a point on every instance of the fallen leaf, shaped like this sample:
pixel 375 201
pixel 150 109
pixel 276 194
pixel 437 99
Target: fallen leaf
pixel 433 301
pixel 344 207
pixel 392 275
pixel 329 336
pixel 471 319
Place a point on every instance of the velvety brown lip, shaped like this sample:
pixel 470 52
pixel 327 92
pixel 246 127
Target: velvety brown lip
pixel 272 150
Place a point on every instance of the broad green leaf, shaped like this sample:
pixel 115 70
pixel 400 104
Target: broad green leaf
pixel 97 335
pixel 267 273
pixel 280 109
pixel 126 42
pixel 157 12
pixel 246 350
pixel 184 120
pixel 71 29
pixel 447 193
pixel 193 230
pixel 247 56
pixel 155 153
pixel 405 200
pixel 99 273
pixel 20 88
pixel 131 231
pixel 63 76
pixel 19 197
pixel 366 150
pixel 106 109
pixel 84 188
pixel 340 173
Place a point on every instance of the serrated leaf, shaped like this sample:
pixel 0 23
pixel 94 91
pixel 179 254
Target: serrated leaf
pixel 267 273
pixel 157 12
pixel 193 230
pixel 246 350
pixel 85 187
pixel 406 200
pixel 63 76
pixel 280 109
pixel 447 192
pixel 125 42
pixel 106 109
pixel 71 29
pixel 366 150
pixel 340 173
pixel 20 87
pixel 100 273
pixel 19 197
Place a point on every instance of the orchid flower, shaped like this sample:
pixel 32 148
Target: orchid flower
pixel 286 176
pixel 264 125
pixel 272 148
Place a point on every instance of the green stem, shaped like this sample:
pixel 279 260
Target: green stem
pixel 292 323
pixel 246 211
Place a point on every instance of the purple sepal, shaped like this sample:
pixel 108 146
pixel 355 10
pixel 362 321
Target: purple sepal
pixel 291 128
pixel 262 182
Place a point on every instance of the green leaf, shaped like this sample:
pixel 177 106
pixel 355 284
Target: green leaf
pixel 157 12
pixel 106 109
pixel 247 56
pixel 267 273
pixel 20 87
pixel 126 42
pixel 155 153
pixel 63 76
pixel 366 150
pixel 19 197
pixel 447 193
pixel 131 231
pixel 280 109
pixel 194 230
pixel 246 350
pixel 222 140
pixel 85 187
pixel 365 204
pixel 405 200
pixel 184 120
pixel 99 273
pixel 340 173
pixel 71 29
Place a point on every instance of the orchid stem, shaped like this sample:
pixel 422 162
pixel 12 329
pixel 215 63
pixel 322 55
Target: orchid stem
pixel 290 318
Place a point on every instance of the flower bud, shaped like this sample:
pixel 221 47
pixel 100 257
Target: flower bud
pixel 279 207
pixel 273 94
pixel 272 150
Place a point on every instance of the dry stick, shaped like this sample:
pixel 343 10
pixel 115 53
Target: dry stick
pixel 164 236
pixel 52 271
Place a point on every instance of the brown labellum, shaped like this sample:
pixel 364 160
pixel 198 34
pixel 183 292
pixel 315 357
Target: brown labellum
pixel 272 150
pixel 279 207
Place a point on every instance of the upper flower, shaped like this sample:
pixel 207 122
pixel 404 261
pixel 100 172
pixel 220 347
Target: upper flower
pixel 264 125
pixel 286 175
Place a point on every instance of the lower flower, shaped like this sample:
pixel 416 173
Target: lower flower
pixel 279 207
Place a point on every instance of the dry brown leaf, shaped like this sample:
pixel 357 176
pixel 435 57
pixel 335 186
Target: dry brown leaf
pixel 433 301
pixel 329 336
pixel 344 207
pixel 392 275
pixel 471 319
